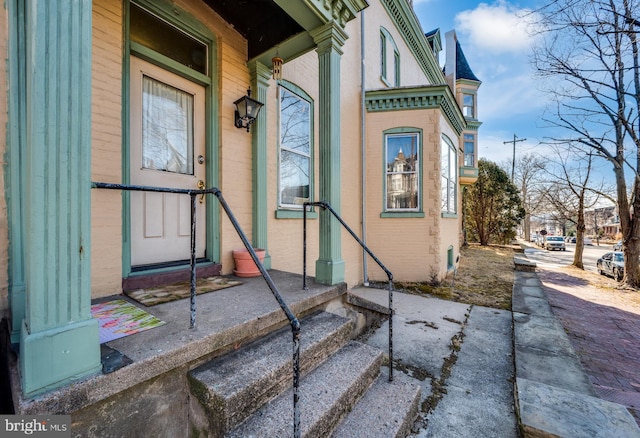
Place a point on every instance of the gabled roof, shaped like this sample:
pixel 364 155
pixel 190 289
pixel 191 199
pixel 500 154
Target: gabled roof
pixel 463 71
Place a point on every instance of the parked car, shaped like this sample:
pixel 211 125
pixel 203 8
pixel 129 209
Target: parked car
pixel 573 240
pixel 554 242
pixel 612 264
pixel 617 246
pixel 587 241
pixel 534 238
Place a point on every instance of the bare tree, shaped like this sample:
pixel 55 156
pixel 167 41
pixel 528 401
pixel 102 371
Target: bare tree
pixel 571 192
pixel 528 178
pixel 591 54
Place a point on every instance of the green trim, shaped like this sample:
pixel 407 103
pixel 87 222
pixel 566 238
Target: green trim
pixel 419 212
pixel 14 164
pixel 402 214
pixel 168 64
pixel 449 215
pixel 189 24
pixel 413 98
pixel 295 214
pixel 405 20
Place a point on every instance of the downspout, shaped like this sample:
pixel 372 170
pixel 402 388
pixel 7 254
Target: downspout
pixel 363 145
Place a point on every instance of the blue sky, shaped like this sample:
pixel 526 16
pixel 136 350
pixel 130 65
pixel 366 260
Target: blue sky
pixel 497 45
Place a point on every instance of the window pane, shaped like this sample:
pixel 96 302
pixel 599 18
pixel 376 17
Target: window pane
pixel 294 122
pixel 295 148
pixel 158 35
pixel 167 128
pixel 402 172
pixel 294 178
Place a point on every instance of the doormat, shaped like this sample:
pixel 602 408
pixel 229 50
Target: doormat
pixel 119 318
pixel 163 294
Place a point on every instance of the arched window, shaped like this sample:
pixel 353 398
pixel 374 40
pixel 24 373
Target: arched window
pixel 389 59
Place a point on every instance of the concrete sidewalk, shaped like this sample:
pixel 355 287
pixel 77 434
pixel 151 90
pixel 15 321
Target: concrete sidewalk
pixel 464 358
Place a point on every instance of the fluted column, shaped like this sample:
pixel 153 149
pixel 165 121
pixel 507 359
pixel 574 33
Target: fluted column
pixel 329 39
pixel 259 85
pixel 59 338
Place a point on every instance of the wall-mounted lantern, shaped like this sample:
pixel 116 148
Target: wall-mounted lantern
pixel 247 110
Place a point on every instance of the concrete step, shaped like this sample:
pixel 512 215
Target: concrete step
pixel 387 409
pixel 326 395
pixel 226 390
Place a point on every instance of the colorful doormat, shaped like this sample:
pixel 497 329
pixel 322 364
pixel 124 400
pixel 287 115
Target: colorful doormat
pixel 118 319
pixel 164 294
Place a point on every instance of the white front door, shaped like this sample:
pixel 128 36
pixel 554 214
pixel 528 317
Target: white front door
pixel 167 150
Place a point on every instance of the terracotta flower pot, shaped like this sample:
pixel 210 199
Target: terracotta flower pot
pixel 245 266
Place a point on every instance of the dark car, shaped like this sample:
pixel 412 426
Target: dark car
pixel 611 263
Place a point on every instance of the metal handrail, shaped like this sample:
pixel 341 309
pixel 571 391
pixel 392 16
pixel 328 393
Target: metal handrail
pixel 328 207
pixel 293 320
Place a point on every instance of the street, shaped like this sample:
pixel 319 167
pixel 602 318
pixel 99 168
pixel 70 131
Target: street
pixel 590 255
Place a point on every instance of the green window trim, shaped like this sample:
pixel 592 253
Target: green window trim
pixel 295 214
pixel 416 212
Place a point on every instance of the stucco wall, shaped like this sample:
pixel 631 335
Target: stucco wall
pixel 4 240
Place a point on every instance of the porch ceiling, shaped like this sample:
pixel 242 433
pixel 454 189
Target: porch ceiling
pixel 262 22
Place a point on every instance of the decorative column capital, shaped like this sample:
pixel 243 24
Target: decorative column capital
pixel 329 37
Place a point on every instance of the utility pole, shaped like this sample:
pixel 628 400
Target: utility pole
pixel 513 162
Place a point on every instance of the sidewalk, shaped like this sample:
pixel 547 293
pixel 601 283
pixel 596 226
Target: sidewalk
pixel 604 332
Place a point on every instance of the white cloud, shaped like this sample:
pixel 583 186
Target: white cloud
pixel 498 27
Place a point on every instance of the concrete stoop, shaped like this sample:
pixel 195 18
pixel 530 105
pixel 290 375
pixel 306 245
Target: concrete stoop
pixel 554 397
pixel 248 393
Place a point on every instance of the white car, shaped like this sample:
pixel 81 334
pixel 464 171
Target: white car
pixel 587 241
pixel 554 242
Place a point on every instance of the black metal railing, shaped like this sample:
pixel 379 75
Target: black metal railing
pixel 293 320
pixel 328 207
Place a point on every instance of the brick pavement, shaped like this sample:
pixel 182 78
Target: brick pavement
pixel 604 330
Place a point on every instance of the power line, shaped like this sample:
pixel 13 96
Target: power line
pixel 513 162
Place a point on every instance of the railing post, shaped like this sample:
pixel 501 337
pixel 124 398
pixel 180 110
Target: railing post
pixel 390 330
pixel 192 323
pixel 304 246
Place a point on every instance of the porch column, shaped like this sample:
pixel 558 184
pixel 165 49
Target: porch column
pixel 59 339
pixel 329 39
pixel 260 75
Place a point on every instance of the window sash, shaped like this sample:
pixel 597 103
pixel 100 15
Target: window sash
pixel 449 178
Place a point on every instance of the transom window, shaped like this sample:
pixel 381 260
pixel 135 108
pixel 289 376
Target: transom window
pixel 402 172
pixel 295 148
pixel 449 176
pixel 153 32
